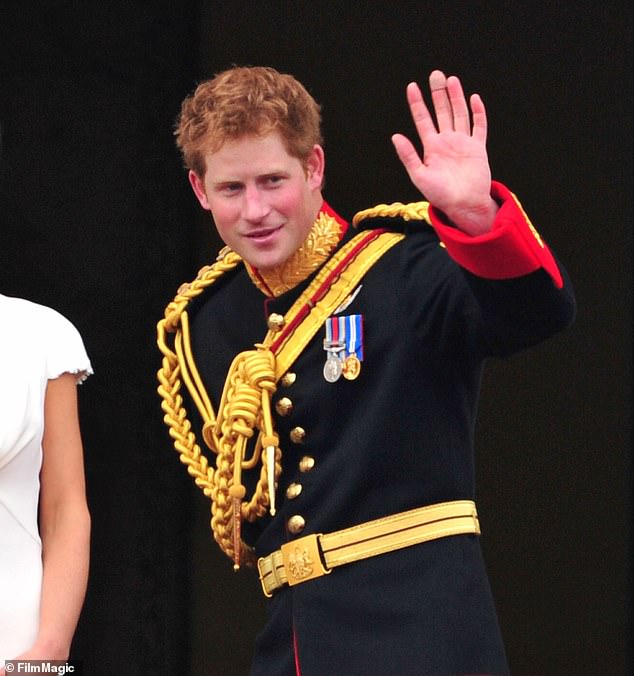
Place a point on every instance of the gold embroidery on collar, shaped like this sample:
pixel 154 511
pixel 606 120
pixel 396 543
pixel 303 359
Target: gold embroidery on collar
pixel 322 239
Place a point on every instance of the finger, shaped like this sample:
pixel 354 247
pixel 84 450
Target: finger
pixel 407 154
pixel 459 109
pixel 479 118
pixel 419 111
pixel 442 106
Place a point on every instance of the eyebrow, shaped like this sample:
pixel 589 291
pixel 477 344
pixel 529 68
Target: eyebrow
pixel 258 177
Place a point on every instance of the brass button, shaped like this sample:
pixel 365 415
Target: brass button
pixel 275 322
pixel 284 406
pixel 306 463
pixel 296 524
pixel 288 379
pixel 298 435
pixel 293 491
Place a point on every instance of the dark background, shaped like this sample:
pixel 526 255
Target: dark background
pixel 98 222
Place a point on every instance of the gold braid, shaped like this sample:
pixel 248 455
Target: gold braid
pixel 415 211
pixel 247 391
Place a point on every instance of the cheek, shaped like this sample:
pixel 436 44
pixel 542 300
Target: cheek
pixel 224 214
pixel 290 201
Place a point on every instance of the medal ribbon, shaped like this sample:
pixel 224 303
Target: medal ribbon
pixel 354 335
pixel 347 331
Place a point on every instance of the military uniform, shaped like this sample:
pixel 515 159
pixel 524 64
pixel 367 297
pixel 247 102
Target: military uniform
pixel 433 308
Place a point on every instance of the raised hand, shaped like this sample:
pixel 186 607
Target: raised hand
pixel 453 173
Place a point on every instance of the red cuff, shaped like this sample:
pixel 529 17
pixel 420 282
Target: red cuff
pixel 512 248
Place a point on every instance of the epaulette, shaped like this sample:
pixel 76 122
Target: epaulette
pixel 392 216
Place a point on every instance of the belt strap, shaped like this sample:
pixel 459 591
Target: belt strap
pixel 315 555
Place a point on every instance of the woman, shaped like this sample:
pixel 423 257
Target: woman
pixel 44 519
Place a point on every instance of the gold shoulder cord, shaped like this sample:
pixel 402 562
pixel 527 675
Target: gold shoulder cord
pixel 415 211
pixel 245 404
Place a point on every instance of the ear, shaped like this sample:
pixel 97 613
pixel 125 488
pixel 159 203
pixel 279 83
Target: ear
pixel 315 167
pixel 198 186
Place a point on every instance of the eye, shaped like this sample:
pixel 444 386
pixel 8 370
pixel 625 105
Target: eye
pixel 230 188
pixel 274 180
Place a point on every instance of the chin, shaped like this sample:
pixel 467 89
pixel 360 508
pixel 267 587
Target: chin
pixel 270 262
pixel 267 265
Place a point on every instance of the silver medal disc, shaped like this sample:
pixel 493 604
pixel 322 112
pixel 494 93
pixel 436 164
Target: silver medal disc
pixel 332 369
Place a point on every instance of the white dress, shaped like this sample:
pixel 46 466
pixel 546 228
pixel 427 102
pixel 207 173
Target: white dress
pixel 36 344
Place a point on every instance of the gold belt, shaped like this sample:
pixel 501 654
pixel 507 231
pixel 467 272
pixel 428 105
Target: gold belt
pixel 315 555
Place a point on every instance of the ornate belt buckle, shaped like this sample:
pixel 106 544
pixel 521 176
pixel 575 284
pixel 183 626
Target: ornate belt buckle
pixel 302 559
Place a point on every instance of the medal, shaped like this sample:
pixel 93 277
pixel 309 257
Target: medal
pixel 333 366
pixel 332 369
pixel 351 367
pixel 344 347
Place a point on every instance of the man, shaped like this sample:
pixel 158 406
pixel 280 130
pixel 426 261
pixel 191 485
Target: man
pixel 341 366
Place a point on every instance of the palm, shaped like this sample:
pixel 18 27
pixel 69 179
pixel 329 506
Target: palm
pixel 454 166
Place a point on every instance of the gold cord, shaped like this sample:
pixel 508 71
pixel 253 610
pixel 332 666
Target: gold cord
pixel 415 211
pixel 251 374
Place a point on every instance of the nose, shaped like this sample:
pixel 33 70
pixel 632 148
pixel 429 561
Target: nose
pixel 255 206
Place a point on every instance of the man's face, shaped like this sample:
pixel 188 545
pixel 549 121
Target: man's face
pixel 262 200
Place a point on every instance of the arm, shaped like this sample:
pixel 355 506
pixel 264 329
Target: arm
pixel 64 522
pixel 481 224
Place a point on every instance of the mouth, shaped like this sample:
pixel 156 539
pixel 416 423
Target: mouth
pixel 263 235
